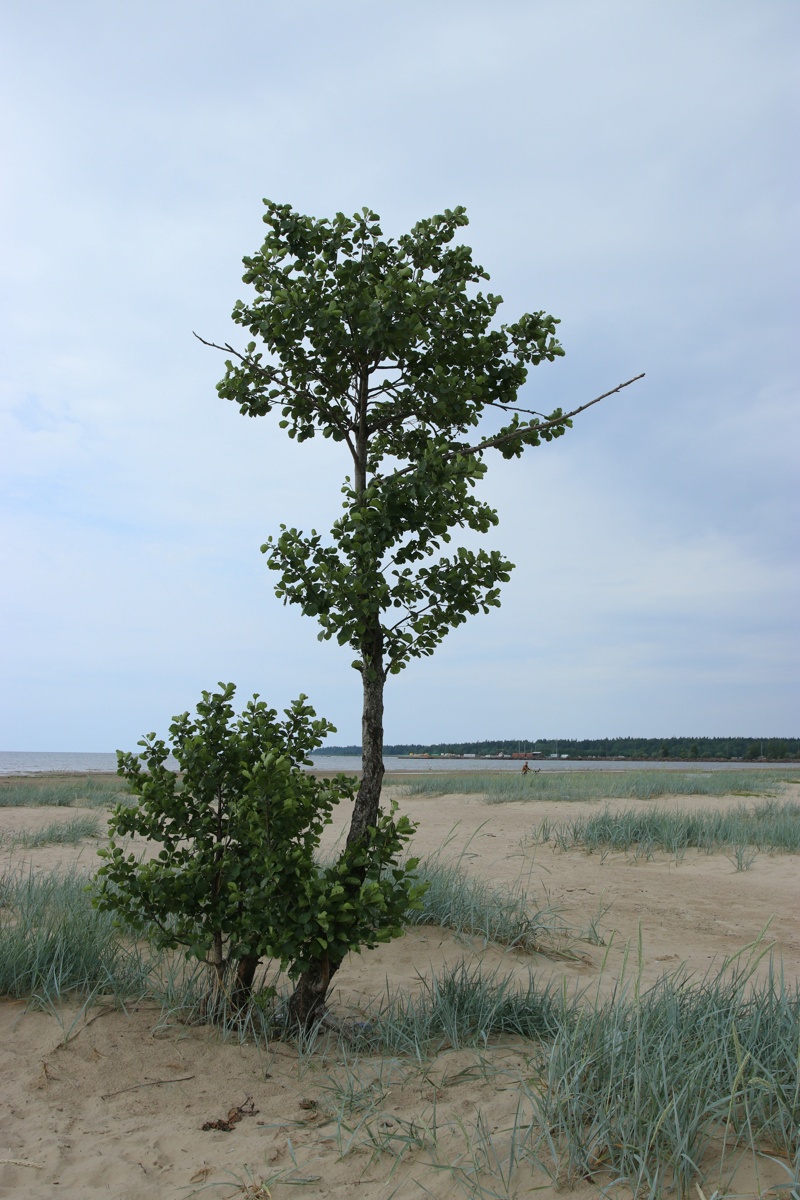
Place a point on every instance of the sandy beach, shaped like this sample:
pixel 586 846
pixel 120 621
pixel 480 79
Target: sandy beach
pixel 101 1102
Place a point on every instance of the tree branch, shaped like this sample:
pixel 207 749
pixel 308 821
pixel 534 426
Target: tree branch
pixel 282 381
pixel 216 346
pixel 516 408
pixel 411 615
pixel 493 442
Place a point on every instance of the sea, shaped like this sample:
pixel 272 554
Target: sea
pixel 14 762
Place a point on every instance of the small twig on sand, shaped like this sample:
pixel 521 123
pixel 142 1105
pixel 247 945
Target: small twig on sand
pixel 150 1083
pixel 73 1033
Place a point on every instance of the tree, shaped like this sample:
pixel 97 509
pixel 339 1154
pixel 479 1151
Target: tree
pixel 236 878
pixel 386 348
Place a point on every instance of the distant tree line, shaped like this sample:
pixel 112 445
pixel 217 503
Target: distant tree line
pixel 747 748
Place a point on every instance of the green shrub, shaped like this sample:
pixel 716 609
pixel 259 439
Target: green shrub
pixel 236 877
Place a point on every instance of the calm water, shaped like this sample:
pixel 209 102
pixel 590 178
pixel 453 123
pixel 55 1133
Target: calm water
pixel 26 763
pixel 30 763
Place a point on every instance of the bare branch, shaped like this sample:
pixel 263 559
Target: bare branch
pixel 493 442
pixel 216 346
pixel 410 615
pixel 388 385
pixel 516 408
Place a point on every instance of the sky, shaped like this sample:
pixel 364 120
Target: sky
pixel 630 168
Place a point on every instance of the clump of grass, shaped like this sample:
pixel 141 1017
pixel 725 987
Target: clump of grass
pixel 502 915
pixel 640 1088
pixel 643 1087
pixel 88 792
pixel 462 1006
pixel 770 826
pixel 360 1085
pixel 52 942
pixel 61 833
pixel 500 787
pixel 742 857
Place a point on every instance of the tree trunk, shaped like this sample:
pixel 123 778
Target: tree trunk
pixel 373 675
pixel 242 987
pixel 230 983
pixel 216 980
pixel 307 1003
pixel 365 810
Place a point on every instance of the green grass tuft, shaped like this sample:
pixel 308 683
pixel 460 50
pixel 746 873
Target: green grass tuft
pixel 501 787
pixel 52 942
pixel 643 1086
pixel 462 1006
pixel 88 793
pixel 771 825
pixel 472 906
pixel 61 833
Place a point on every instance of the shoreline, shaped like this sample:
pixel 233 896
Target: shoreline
pixel 438 769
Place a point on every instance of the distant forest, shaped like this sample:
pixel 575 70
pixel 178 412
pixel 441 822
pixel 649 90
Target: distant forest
pixel 644 748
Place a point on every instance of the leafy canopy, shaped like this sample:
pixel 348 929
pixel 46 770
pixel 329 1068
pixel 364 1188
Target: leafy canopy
pixel 388 347
pixel 239 827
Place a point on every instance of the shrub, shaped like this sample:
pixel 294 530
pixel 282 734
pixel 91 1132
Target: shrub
pixel 236 878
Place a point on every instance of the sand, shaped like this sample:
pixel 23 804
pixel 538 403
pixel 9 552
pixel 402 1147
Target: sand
pixel 112 1104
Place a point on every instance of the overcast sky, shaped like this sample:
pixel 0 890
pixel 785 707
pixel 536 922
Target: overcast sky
pixel 630 168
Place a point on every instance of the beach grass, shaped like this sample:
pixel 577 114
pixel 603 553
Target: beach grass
pixel 462 1006
pixel 661 1088
pixel 646 1085
pixel 56 833
pixel 500 787
pixel 472 906
pixel 772 825
pixel 642 1085
pixel 53 944
pixel 63 793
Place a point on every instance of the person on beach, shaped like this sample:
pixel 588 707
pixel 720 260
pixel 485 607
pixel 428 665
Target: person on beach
pixel 525 768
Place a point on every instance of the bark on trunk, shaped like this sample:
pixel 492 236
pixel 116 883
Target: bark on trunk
pixel 216 980
pixel 365 810
pixel 228 983
pixel 242 987
pixel 373 675
pixel 307 1002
